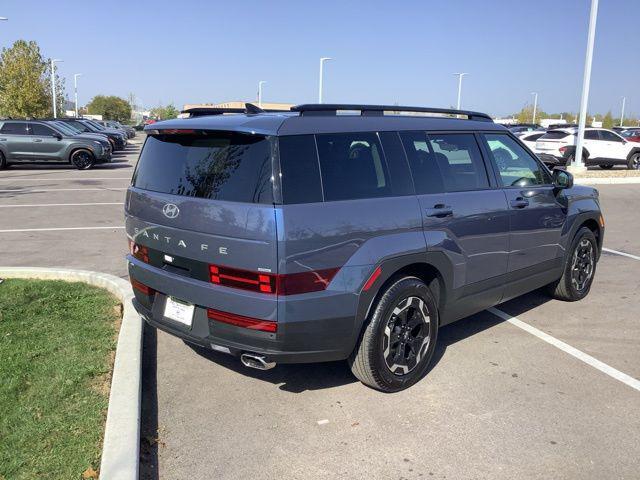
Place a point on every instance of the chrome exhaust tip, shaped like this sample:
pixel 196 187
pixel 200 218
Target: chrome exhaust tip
pixel 256 361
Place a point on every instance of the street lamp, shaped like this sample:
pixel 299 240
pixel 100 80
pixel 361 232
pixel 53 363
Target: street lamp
pixel 460 75
pixel 624 100
pixel 260 83
pixel 578 164
pixel 53 85
pixel 75 89
pixel 535 106
pixel 3 18
pixel 322 60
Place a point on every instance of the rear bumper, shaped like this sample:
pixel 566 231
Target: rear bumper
pixel 311 333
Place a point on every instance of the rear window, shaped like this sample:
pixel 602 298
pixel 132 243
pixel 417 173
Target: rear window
pixel 217 166
pixel 554 136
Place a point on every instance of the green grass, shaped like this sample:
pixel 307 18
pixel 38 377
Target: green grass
pixel 56 345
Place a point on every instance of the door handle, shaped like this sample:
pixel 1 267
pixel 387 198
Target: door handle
pixel 37 139
pixel 439 210
pixel 519 202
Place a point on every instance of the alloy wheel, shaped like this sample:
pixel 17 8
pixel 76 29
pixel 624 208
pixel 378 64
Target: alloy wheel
pixel 582 265
pixel 82 159
pixel 406 335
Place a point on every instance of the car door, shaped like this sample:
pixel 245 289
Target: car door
pixel 15 137
pixel 463 215
pixel 538 214
pixel 614 145
pixel 47 143
pixel 594 145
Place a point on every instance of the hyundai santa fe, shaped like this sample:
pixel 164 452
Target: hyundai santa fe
pixel 347 232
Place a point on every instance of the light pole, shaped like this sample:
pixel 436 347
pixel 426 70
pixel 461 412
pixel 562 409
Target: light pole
pixel 535 106
pixel 260 83
pixel 322 60
pixel 75 89
pixel 578 164
pixel 3 18
pixel 460 75
pixel 624 100
pixel 53 85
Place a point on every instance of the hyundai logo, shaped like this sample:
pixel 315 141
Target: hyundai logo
pixel 170 210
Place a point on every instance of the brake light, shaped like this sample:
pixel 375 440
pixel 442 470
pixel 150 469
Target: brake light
pixel 563 149
pixel 139 251
pixel 141 287
pixel 242 321
pixel 285 284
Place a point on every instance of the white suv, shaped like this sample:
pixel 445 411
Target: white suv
pixel 601 147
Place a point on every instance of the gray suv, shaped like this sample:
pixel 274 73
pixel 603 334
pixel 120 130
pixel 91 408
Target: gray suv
pixel 29 141
pixel 351 232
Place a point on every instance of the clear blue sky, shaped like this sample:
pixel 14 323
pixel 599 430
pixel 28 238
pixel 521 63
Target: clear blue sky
pixel 385 52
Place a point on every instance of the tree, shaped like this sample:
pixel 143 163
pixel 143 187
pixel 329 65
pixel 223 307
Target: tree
pixel 164 113
pixel 607 120
pixel 25 82
pixel 526 114
pixel 110 107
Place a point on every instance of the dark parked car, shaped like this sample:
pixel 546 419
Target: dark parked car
pixel 130 131
pixel 68 129
pixel 310 236
pixel 29 141
pixel 118 139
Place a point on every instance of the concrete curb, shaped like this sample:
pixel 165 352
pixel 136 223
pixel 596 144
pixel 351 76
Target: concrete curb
pixel 120 451
pixel 605 180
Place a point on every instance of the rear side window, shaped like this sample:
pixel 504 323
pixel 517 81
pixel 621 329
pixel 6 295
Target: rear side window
pixel 300 172
pixel 14 128
pixel 424 168
pixel 352 166
pixel 554 136
pixel 591 135
pixel 459 160
pixel 211 165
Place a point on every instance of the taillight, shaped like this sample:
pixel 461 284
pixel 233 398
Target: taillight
pixel 562 149
pixel 141 287
pixel 242 321
pixel 285 284
pixel 139 251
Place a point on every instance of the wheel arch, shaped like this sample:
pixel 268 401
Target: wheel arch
pixel 591 220
pixel 632 152
pixel 74 148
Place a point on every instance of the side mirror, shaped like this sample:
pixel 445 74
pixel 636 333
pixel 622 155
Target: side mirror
pixel 562 179
pixel 57 135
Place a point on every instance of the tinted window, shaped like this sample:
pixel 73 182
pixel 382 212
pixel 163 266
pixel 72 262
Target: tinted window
pixel 218 166
pixel 424 168
pixel 531 138
pixel 300 173
pixel 554 135
pixel 459 160
pixel 591 135
pixel 79 125
pixel 397 163
pixel 42 130
pixel 609 136
pixel 14 128
pixel 515 166
pixel 352 166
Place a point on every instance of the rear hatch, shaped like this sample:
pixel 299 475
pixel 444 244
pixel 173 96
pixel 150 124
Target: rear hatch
pixel 201 205
pixel 551 142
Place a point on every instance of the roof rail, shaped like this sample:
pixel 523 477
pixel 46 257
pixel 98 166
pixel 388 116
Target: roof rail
pixel 367 110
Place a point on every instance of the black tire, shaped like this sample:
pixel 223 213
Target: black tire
pixel 606 166
pixel 577 279
pixel 82 159
pixel 3 161
pixel 403 329
pixel 634 161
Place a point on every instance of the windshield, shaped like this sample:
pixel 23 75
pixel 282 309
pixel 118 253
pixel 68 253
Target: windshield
pixel 65 128
pixel 95 124
pixel 630 133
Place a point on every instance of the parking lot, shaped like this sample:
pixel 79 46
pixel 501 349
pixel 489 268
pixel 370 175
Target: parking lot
pixel 501 400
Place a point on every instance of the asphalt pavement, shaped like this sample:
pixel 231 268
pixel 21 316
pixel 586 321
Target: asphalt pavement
pixel 500 401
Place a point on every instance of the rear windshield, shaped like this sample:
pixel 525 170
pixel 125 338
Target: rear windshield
pixel 554 136
pixel 215 165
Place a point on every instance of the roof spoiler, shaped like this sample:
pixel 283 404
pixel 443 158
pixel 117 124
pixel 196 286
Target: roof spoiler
pixel 378 110
pixel 249 109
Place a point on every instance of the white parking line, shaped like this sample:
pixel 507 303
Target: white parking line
pixel 586 358
pixel 17 190
pixel 624 254
pixel 61 204
pixel 11 179
pixel 62 229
